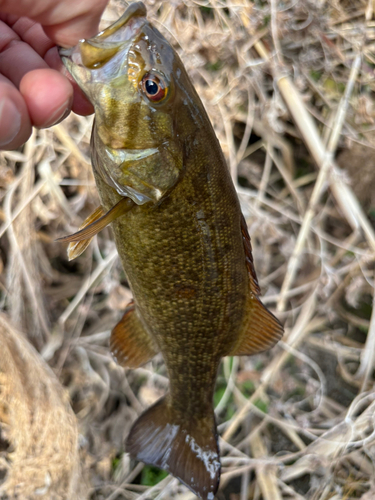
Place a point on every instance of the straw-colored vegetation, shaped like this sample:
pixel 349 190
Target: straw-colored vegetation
pixel 290 89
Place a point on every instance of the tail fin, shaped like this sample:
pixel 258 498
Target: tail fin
pixel 187 448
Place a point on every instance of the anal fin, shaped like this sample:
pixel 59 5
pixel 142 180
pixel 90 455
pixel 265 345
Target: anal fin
pixel 262 330
pixel 131 345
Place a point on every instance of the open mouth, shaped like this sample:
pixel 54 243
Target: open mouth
pixel 94 52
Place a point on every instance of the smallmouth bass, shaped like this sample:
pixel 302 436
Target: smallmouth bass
pixel 183 242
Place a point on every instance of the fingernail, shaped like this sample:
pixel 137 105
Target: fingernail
pixel 59 115
pixel 10 121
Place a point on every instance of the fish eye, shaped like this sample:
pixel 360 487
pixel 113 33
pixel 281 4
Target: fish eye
pixel 154 87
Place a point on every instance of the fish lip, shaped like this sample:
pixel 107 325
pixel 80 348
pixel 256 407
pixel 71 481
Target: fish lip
pixel 134 10
pixel 65 51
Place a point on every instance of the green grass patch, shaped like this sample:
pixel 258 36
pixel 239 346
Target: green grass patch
pixel 248 387
pixel 152 475
pixel 261 405
pixel 219 393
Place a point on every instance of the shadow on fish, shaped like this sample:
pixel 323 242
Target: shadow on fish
pixel 165 187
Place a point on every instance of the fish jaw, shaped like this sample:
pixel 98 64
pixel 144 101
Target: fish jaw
pixel 97 58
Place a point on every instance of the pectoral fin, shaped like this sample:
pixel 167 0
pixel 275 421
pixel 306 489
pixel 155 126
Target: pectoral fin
pixel 131 344
pixel 97 221
pixel 76 248
pixel 261 331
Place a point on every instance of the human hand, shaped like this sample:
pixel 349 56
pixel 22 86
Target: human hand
pixel 35 88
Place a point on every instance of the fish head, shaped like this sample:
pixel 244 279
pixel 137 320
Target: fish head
pixel 136 83
pixel 126 77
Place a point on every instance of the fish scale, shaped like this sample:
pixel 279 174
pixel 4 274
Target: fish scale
pixel 181 237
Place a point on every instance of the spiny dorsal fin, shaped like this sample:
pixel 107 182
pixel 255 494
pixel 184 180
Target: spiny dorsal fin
pixel 254 285
pixel 261 331
pixel 185 447
pixel 89 231
pixel 131 345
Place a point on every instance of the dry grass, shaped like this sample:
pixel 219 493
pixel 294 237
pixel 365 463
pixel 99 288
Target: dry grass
pixel 38 423
pixel 290 89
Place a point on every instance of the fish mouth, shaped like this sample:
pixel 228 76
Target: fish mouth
pixel 93 53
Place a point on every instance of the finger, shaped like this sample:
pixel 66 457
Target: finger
pixel 14 49
pixel 16 56
pixel 66 27
pixel 69 33
pixel 81 105
pixel 15 125
pixel 65 22
pixel 48 96
pixel 30 32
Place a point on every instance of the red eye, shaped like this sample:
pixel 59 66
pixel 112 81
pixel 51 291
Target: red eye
pixel 154 87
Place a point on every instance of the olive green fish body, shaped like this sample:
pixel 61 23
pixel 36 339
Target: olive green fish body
pixel 181 237
pixel 185 263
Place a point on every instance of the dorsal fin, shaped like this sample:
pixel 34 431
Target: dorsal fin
pixel 254 285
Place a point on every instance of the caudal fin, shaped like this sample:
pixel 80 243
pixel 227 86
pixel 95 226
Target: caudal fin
pixel 185 447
